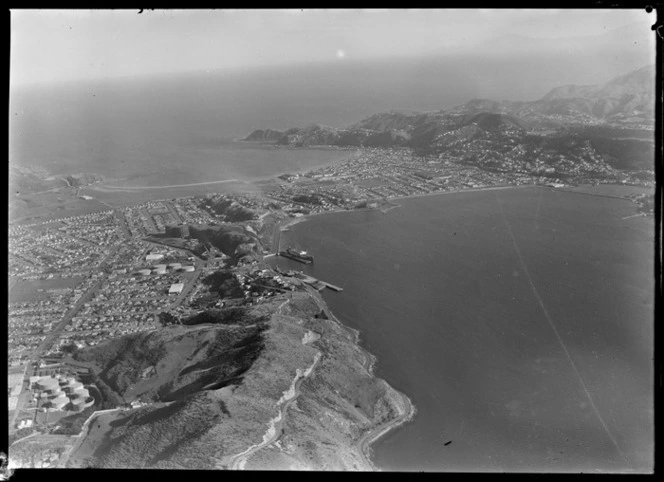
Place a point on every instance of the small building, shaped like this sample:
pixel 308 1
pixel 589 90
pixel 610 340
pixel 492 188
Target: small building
pixel 154 257
pixel 188 269
pixel 176 289
pixel 25 423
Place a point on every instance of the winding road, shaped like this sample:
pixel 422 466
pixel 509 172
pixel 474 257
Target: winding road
pixel 275 428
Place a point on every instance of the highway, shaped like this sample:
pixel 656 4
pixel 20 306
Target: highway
pixel 188 286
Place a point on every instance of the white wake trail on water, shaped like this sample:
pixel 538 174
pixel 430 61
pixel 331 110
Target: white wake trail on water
pixel 555 330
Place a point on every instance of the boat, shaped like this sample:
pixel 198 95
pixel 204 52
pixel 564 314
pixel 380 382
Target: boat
pixel 300 256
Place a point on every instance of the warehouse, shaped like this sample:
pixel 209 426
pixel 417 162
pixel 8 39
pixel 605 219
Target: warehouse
pixel 176 289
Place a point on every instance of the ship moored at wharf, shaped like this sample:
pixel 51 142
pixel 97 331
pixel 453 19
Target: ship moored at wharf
pixel 296 255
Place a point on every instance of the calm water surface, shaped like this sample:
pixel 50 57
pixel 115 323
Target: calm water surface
pixel 518 321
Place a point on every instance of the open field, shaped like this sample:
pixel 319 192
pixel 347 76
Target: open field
pixel 26 290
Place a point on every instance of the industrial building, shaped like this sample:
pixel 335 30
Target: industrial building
pixel 58 403
pixel 60 393
pixel 48 383
pixel 176 288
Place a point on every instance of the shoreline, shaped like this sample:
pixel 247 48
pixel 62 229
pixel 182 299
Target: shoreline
pixel 407 411
pixel 301 219
pixel 101 187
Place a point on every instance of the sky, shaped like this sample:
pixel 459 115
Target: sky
pixel 63 45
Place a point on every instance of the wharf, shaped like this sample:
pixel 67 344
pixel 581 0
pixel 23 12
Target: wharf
pixel 294 258
pixel 316 283
pixel 332 287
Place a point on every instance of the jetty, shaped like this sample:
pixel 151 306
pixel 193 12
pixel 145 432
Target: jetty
pixel 316 283
pixel 332 287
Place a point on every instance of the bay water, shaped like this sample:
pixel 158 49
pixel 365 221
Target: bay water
pixel 518 321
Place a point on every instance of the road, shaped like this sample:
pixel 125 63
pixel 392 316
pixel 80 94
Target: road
pixel 81 436
pixel 189 286
pixel 53 334
pixel 144 212
pixel 239 461
pixel 364 443
pixel 122 223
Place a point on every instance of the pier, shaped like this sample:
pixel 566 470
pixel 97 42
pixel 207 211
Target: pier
pixel 332 287
pixel 316 283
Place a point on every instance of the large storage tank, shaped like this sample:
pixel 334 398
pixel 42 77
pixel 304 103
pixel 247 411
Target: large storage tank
pixel 81 393
pixel 73 387
pixel 59 402
pixel 48 383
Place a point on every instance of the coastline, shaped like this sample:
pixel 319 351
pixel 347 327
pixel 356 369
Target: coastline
pixel 289 222
pixel 406 410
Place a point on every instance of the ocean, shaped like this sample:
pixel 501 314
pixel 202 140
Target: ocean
pixel 179 128
pixel 518 321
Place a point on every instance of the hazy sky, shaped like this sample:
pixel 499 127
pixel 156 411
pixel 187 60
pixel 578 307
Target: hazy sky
pixel 55 45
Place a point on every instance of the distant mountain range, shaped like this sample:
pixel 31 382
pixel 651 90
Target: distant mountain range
pixel 625 101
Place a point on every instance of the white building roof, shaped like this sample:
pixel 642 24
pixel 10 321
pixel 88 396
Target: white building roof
pixel 176 288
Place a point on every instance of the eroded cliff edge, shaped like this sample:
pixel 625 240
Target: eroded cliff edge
pixel 285 387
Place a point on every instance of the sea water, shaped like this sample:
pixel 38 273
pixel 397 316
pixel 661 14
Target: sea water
pixel 518 321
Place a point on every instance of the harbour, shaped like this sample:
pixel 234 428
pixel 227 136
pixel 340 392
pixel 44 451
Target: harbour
pixel 491 376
